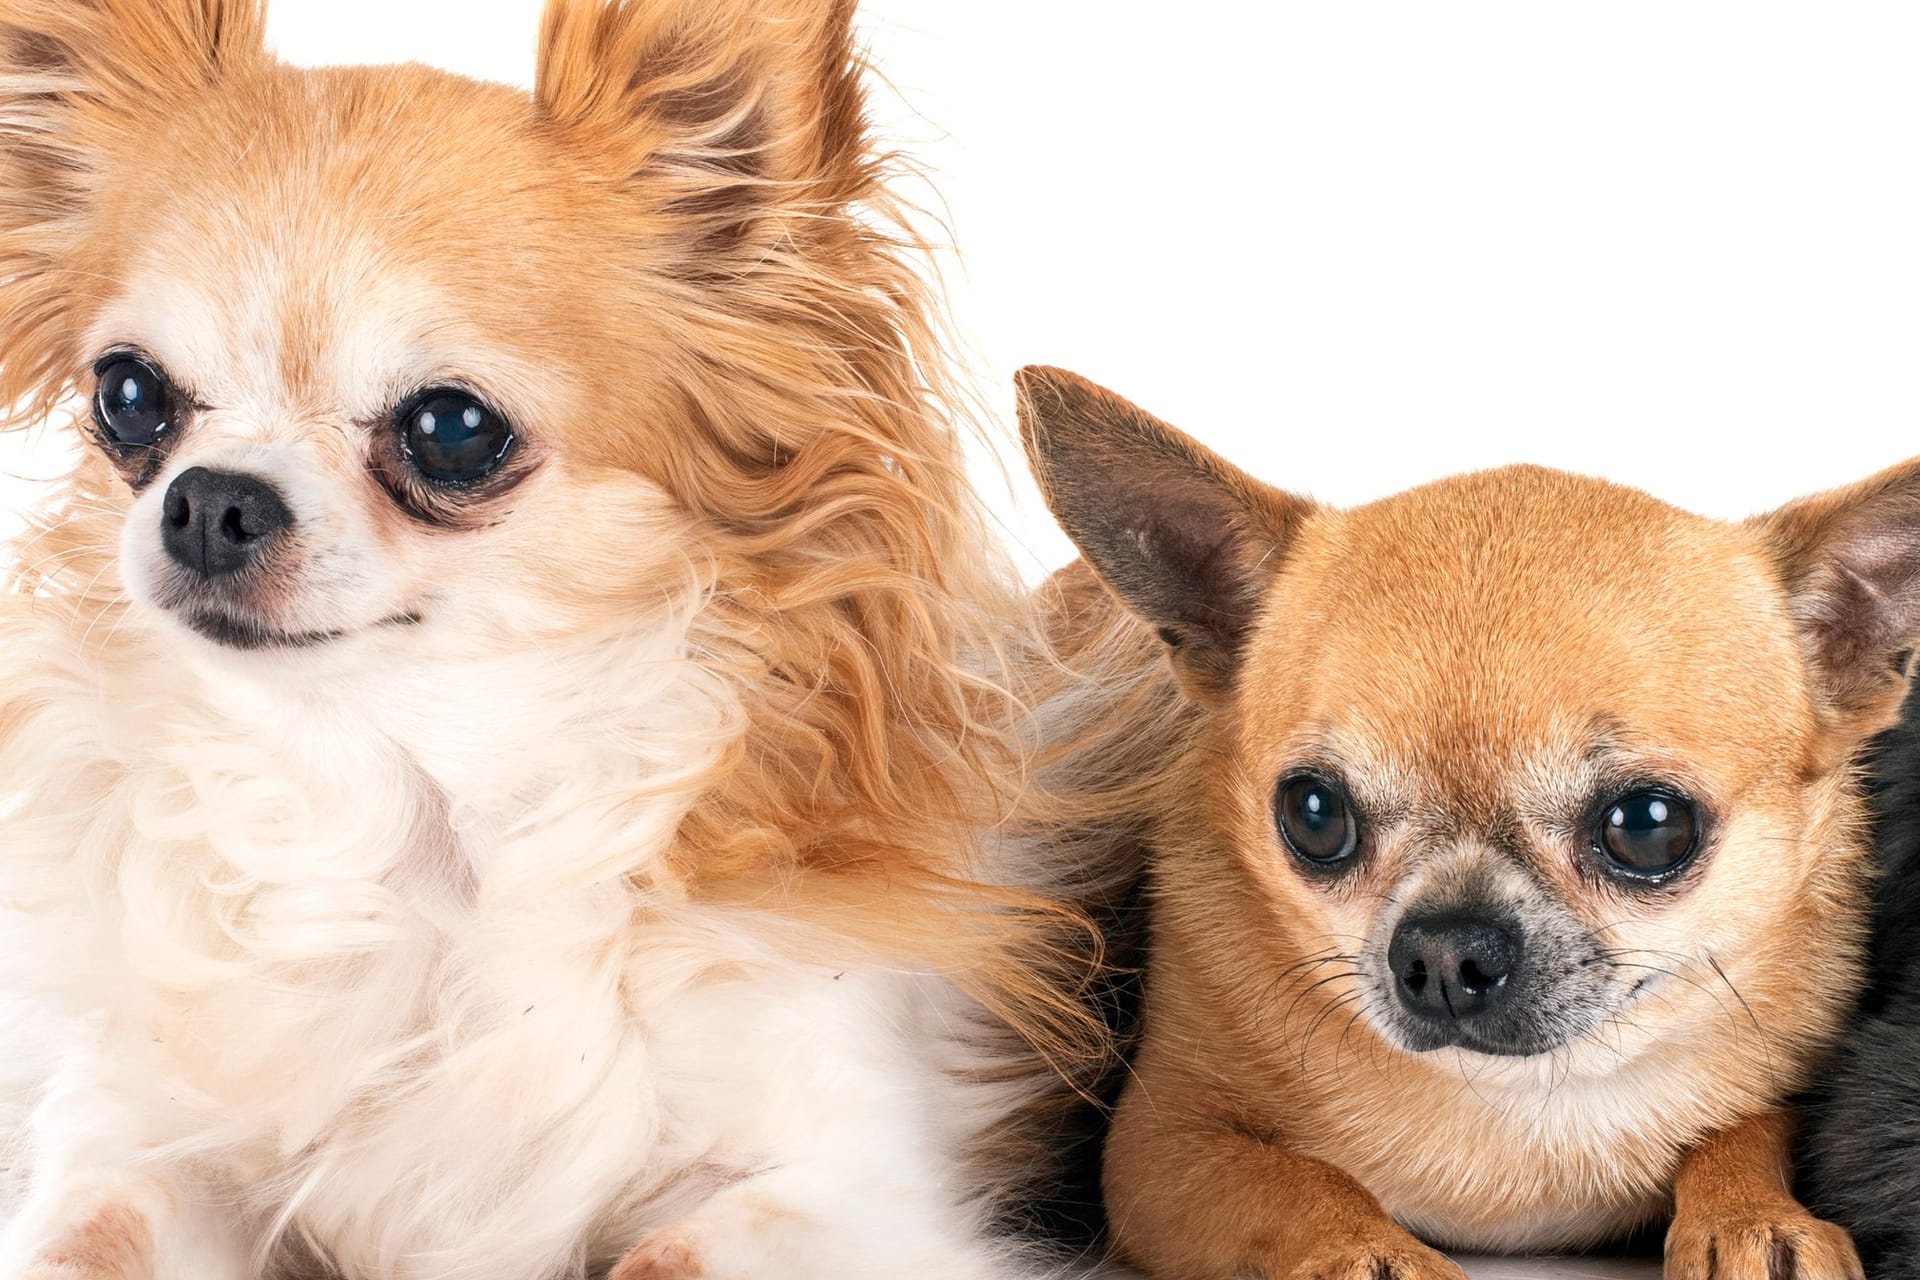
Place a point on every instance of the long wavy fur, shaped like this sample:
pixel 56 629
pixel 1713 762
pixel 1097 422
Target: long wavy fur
pixel 875 645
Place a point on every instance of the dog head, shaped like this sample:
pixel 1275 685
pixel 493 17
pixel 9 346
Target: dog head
pixel 382 362
pixel 1531 761
pixel 583 434
pixel 481 418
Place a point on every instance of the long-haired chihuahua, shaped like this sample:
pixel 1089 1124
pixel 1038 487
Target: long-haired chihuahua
pixel 499 723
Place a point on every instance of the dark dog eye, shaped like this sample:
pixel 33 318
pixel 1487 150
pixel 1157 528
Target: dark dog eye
pixel 1649 832
pixel 134 402
pixel 1316 820
pixel 452 438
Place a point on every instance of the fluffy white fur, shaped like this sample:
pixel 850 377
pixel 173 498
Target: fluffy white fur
pixel 400 975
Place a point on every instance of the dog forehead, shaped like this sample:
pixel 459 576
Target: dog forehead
pixel 1497 627
pixel 331 221
pixel 264 324
pixel 434 164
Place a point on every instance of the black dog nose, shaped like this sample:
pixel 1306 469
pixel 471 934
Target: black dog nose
pixel 218 522
pixel 1453 966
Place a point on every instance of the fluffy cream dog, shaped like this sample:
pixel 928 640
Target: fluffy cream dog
pixel 495 726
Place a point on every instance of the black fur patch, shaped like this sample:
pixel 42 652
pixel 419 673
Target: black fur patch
pixel 1070 1211
pixel 1861 1165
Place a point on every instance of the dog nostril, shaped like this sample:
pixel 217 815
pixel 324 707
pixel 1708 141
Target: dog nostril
pixel 1477 981
pixel 1415 977
pixel 234 526
pixel 178 512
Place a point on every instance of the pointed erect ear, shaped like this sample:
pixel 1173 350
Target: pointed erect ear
pixel 1187 540
pixel 78 79
pixel 124 52
pixel 1851 563
pixel 726 110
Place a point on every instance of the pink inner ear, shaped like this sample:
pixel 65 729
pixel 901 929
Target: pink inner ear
pixel 1858 599
pixel 1877 580
pixel 1179 545
pixel 1194 546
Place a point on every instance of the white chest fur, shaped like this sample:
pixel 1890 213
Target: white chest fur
pixel 416 985
pixel 1519 1155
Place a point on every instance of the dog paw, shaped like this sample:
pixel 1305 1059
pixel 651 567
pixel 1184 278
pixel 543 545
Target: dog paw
pixel 1788 1244
pixel 661 1256
pixel 664 1255
pixel 114 1243
pixel 1405 1259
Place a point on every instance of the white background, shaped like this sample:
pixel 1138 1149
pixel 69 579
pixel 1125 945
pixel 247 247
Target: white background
pixel 1360 245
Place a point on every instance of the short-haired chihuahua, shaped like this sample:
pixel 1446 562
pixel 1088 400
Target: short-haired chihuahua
pixel 1508 872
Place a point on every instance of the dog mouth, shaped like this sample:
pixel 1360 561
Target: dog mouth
pixel 1489 1041
pixel 250 636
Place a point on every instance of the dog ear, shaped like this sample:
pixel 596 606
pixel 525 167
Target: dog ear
pixel 76 74
pixel 121 52
pixel 1186 539
pixel 78 79
pixel 726 111
pixel 1850 560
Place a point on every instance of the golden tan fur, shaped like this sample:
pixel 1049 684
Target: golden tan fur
pixel 1467 651
pixel 114 1244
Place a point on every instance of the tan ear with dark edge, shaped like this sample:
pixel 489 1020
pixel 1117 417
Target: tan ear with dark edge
pixel 79 76
pixel 1850 559
pixel 79 80
pixel 726 110
pixel 1187 540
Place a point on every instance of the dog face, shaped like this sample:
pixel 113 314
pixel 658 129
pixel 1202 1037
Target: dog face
pixel 1521 760
pixel 1507 752
pixel 330 435
pixel 386 365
